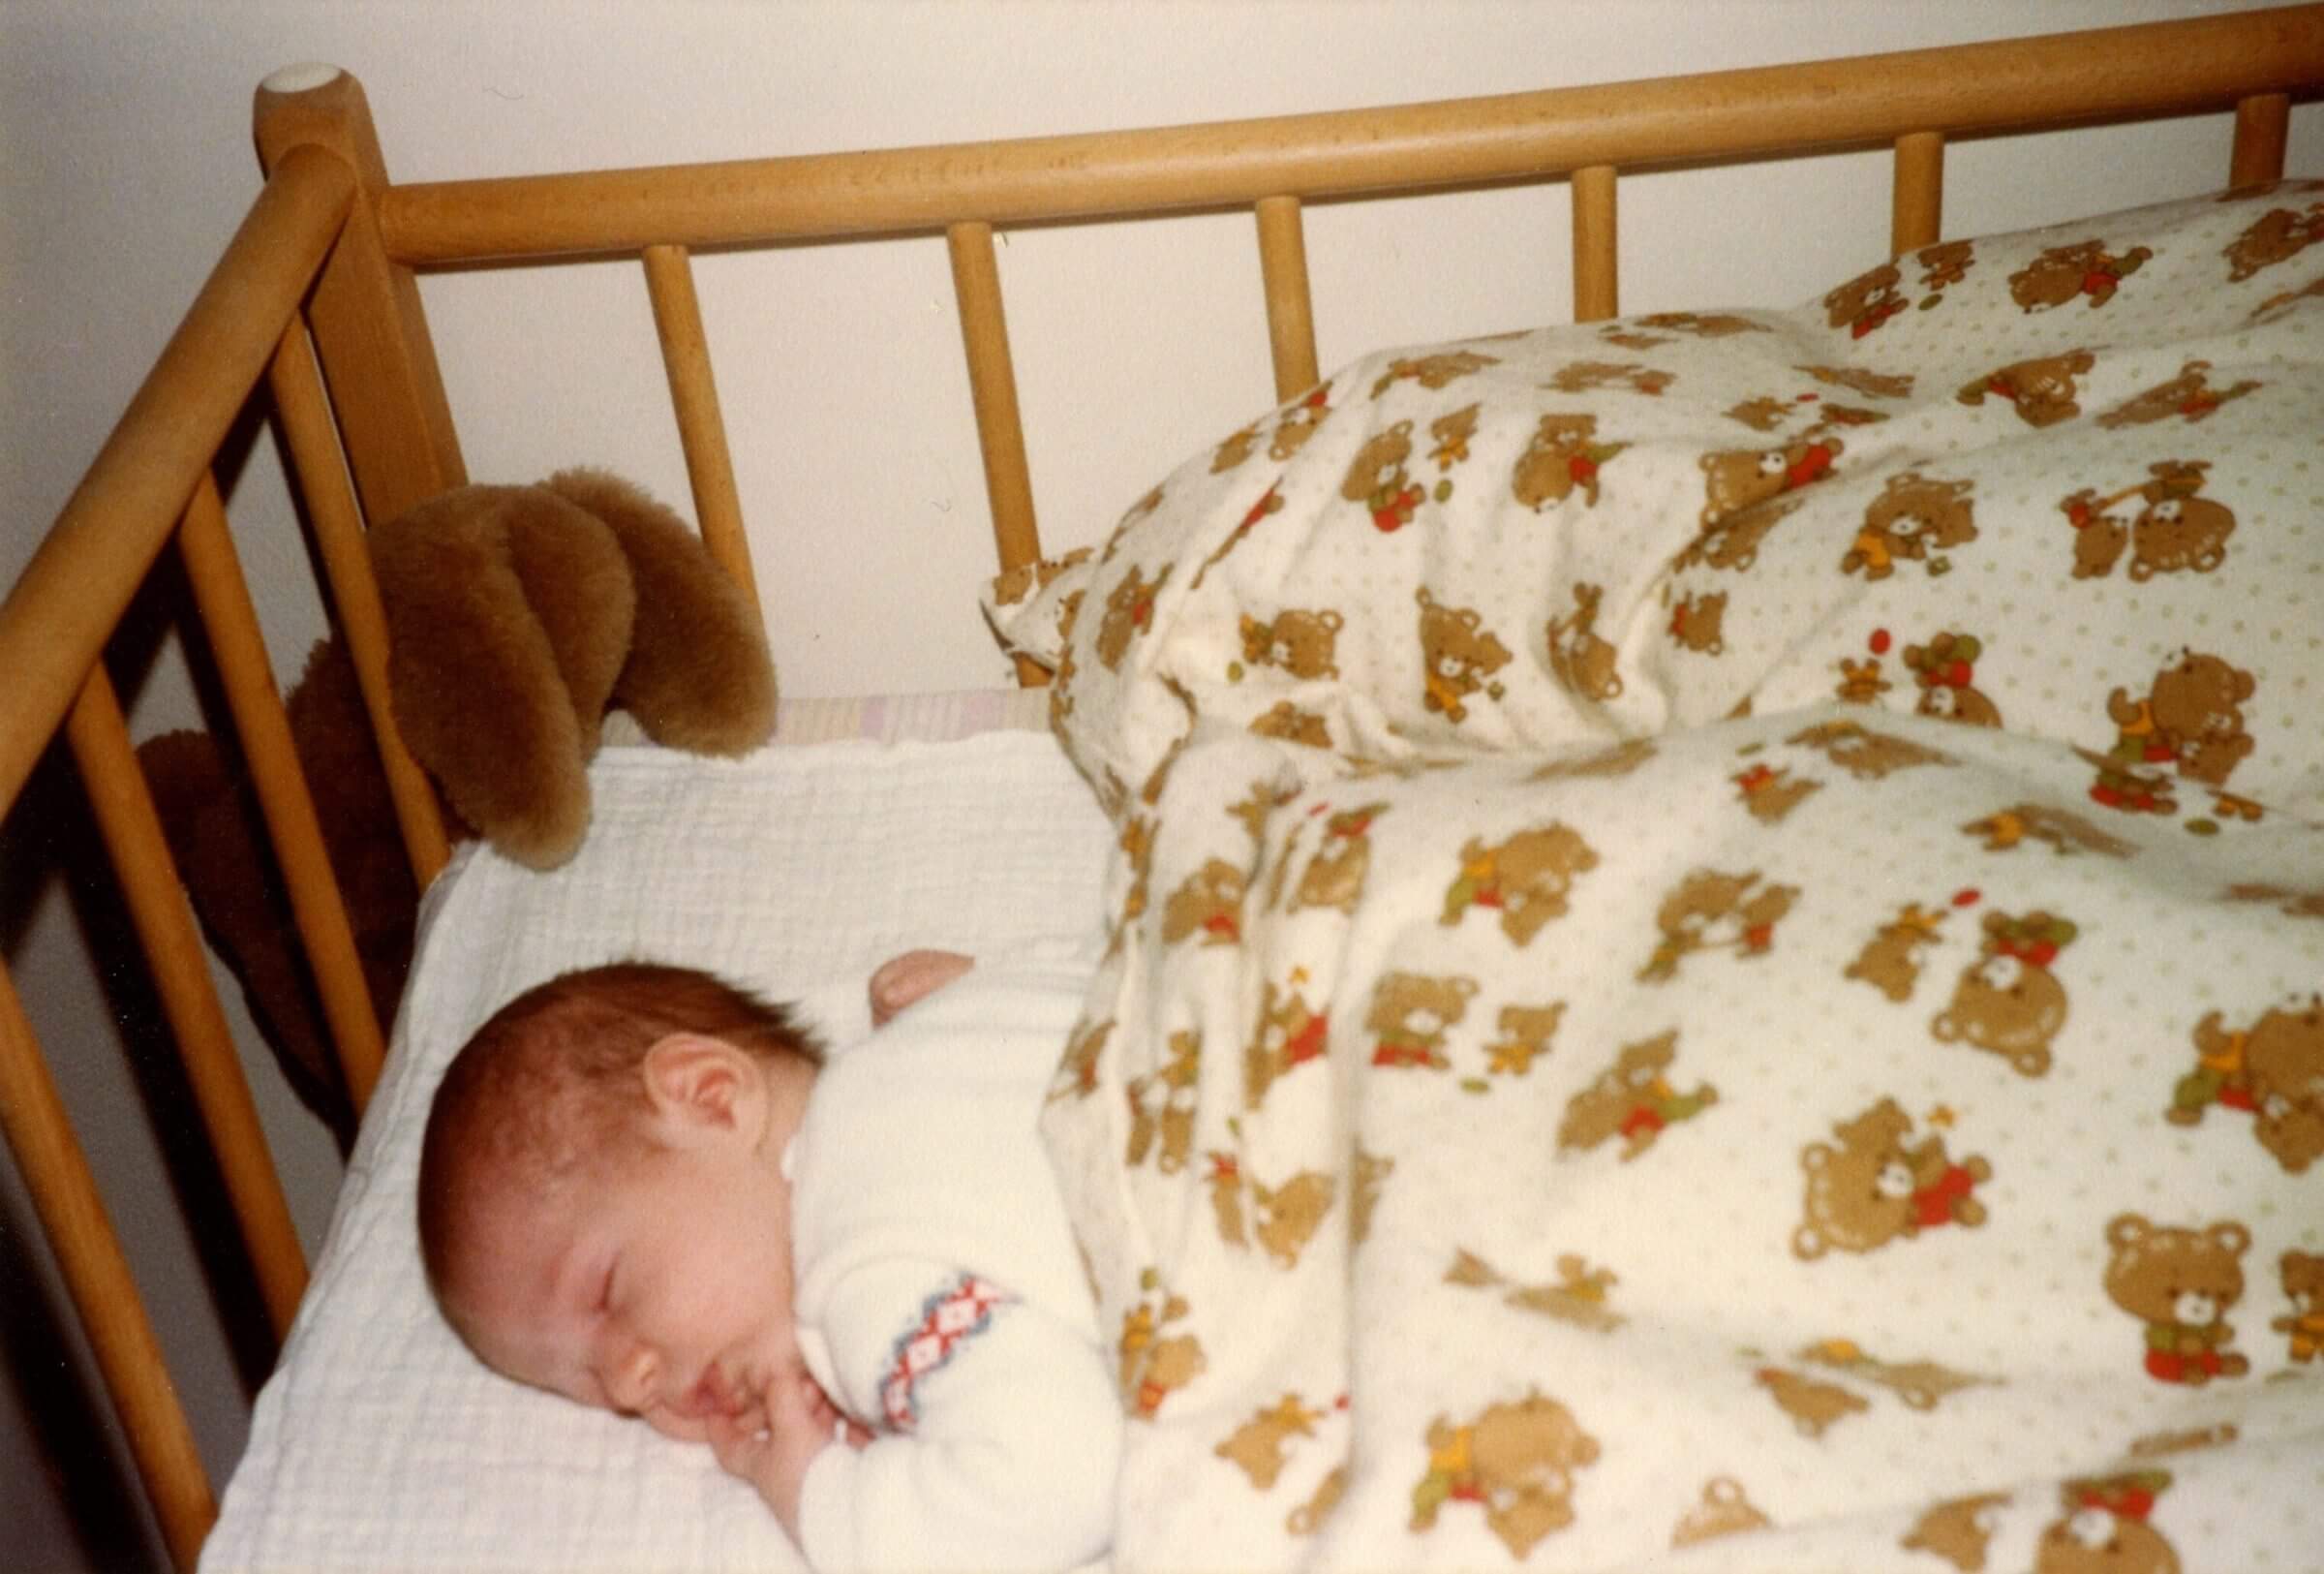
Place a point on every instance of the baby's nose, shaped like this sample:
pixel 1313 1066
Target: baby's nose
pixel 630 1385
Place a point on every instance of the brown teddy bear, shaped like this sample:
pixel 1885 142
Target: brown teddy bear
pixel 516 615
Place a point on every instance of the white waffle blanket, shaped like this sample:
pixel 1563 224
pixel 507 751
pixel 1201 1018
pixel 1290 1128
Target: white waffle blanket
pixel 379 1442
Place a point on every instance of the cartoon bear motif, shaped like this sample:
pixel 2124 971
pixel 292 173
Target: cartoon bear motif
pixel 1702 324
pixel 2176 529
pixel 1453 431
pixel 1957 1530
pixel 1612 760
pixel 1210 904
pixel 1861 380
pixel 1526 876
pixel 1736 480
pixel 1563 457
pixel 1432 371
pixel 1577 1296
pixel 1290 1214
pixel 1770 792
pixel 2192 718
pixel 1945 671
pixel 1030 578
pixel 1913 515
pixel 2008 1002
pixel 2277 235
pixel 1814 1405
pixel 1287 722
pixel 1890 961
pixel 1698 623
pixel 1260 1446
pixel 1378 479
pixel 1129 612
pixel 1457 657
pixel 2181 1284
pixel 1920 1384
pixel 1578 659
pixel 1290 1034
pixel 2190 396
pixel 1860 682
pixel 2280 306
pixel 1410 1015
pixel 1864 753
pixel 2042 390
pixel 1943 265
pixel 1865 301
pixel 1154 1365
pixel 1633 1099
pixel 2103 1528
pixel 1302 642
pixel 1299 423
pixel 1761 412
pixel 2293 903
pixel 1587 376
pixel 1710 910
pixel 2063 273
pixel 1517 1459
pixel 2304 1287
pixel 1726 1509
pixel 1234 450
pixel 1077 1068
pixel 2064 831
pixel 1872 1189
pixel 1173 1120
pixel 1525 1034
pixel 1334 876
pixel 1363 1192
pixel 2286 1061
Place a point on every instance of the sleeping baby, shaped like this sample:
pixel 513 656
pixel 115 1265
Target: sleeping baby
pixel 646 1190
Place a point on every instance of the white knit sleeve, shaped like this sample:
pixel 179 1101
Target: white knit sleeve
pixel 1001 1433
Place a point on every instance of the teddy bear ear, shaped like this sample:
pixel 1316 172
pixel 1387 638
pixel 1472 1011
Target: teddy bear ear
pixel 699 674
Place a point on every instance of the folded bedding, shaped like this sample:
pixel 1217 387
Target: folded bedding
pixel 1717 937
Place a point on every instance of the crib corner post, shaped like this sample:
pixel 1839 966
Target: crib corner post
pixel 369 330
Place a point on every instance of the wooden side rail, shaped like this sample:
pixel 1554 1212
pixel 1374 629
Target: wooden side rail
pixel 152 474
pixel 2152 68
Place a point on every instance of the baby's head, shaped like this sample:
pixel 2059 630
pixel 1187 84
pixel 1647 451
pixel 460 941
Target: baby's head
pixel 602 1211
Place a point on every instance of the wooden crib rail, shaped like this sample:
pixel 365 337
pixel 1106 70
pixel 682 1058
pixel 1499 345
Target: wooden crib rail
pixel 151 477
pixel 2145 70
pixel 1910 101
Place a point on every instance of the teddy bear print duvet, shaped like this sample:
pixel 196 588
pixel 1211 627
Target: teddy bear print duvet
pixel 1719 933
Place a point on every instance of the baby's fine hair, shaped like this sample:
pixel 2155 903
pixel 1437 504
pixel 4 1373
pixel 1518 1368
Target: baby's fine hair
pixel 553 1082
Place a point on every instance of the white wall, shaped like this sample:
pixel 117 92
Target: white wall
pixel 125 163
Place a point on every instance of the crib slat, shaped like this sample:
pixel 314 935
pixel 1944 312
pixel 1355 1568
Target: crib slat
pixel 993 388
pixel 2263 124
pixel 223 598
pixel 369 328
pixel 694 396
pixel 1290 307
pixel 157 904
pixel 1596 264
pixel 1916 197
pixel 88 1252
pixel 313 442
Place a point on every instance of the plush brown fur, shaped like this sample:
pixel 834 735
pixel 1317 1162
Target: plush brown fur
pixel 520 614
pixel 516 615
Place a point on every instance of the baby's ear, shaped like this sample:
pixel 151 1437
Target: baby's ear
pixel 698 1084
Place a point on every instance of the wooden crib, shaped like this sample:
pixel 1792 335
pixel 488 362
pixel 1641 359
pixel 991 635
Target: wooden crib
pixel 314 304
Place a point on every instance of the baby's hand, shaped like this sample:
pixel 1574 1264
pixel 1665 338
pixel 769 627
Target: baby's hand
pixel 799 1423
pixel 900 980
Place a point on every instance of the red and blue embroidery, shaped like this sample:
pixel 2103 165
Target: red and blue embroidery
pixel 948 1319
